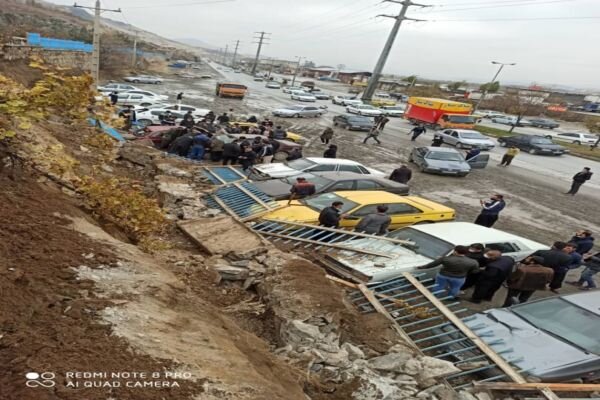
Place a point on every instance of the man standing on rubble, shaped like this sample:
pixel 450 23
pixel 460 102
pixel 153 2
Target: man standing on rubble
pixel 376 223
pixel 454 271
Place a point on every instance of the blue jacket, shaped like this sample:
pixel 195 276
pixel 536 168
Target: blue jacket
pixel 584 244
pixel 492 207
pixel 576 260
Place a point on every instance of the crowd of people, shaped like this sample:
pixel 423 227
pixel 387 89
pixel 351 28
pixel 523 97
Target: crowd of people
pixel 487 270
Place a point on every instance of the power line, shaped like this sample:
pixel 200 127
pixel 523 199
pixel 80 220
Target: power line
pixel 182 4
pixel 516 19
pixel 374 80
pixel 520 4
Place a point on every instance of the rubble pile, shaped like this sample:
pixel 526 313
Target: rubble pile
pixel 398 374
pixel 247 268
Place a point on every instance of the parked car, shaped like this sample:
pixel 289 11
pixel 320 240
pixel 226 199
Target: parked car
pixel 403 210
pixel 574 137
pixel 466 139
pixel 273 85
pixel 151 116
pixel 346 100
pixel 309 164
pixel 147 93
pixel 298 111
pixel 364 109
pixel 431 241
pixel 116 87
pixel 258 78
pixel 326 182
pixel 533 144
pixel 393 111
pixel 555 338
pixel 290 89
pixel 510 120
pixel 144 79
pixel 131 99
pixel 489 114
pixel 353 122
pixel 301 95
pixel 543 123
pixel 322 96
pixel 445 161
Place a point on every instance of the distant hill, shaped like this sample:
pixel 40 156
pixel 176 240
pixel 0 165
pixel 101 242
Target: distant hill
pixel 197 43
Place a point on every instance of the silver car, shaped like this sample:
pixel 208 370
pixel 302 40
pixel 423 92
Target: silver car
pixel 298 111
pixel 144 79
pixel 466 139
pixel 445 161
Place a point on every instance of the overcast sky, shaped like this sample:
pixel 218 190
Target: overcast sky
pixel 458 42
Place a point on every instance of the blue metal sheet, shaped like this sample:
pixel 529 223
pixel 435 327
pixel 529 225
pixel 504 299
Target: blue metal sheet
pixel 107 129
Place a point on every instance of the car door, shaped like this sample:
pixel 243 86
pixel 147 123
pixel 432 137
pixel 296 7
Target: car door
pixel 404 214
pixel 480 161
pixel 446 135
pixel 419 155
pixel 367 184
pixel 311 111
pixel 340 186
pixel 322 168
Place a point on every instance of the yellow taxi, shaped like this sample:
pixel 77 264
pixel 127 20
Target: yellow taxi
pixel 404 210
pixel 294 137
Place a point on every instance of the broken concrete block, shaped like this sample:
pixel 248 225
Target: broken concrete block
pixel 354 352
pixel 412 366
pixel 339 359
pixel 393 362
pixel 436 368
pixel 240 263
pixel 464 395
pixel 299 332
pixel 245 255
pixel 229 273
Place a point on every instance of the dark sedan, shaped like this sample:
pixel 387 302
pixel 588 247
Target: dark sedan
pixel 533 144
pixel 353 122
pixel 325 182
pixel 543 123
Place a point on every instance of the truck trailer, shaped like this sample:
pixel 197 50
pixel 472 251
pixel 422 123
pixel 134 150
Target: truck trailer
pixel 440 113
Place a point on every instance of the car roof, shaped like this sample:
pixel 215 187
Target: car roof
pixel 354 116
pixel 341 175
pixel 442 149
pixel 467 233
pixel 382 197
pixel 465 130
pixel 341 161
pixel 588 300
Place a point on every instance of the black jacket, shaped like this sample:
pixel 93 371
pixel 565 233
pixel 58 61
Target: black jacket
pixel 231 150
pixel 330 153
pixel 581 177
pixel 402 175
pixel 330 217
pixel 555 259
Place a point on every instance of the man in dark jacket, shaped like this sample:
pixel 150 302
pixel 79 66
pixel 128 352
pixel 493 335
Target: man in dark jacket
pixel 477 253
pixel 330 216
pixel 530 276
pixel 247 158
pixel 454 270
pixel 331 152
pixel 497 269
pixel 279 133
pixel 558 260
pixel 416 132
pixel 383 120
pixel 327 135
pixel 223 119
pixel 231 152
pixel 584 240
pixel 181 145
pixel 114 98
pixel 401 175
pixel 490 210
pixel 376 223
pixel 592 267
pixel 579 179
pixel 188 121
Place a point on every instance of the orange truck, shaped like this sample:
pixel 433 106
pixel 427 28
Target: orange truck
pixel 228 89
pixel 440 113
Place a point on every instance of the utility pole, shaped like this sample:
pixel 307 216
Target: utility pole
pixel 260 39
pixel 133 58
pixel 296 71
pixel 374 80
pixel 237 43
pixel 225 55
pixel 271 67
pixel 95 70
pixel 485 91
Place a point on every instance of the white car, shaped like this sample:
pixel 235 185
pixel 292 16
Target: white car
pixel 273 85
pixel 346 100
pixel 392 111
pixel 151 116
pixel 155 96
pixel 510 120
pixel 301 95
pixel 489 114
pixel 144 79
pixel 466 139
pixel 290 89
pixel 309 164
pixel 431 241
pixel 298 111
pixel 133 99
pixel 364 109
pixel 573 137
pixel 116 87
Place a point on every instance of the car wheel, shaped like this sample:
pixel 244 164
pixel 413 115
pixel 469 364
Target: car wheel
pixel 144 122
pixel 296 115
pixel 335 123
pixel 548 137
pixel 136 81
pixel 347 127
pixel 146 104
pixel 532 151
pixel 280 156
pixel 318 115
pixel 502 144
pixel 411 159
pixel 459 145
pixel 577 142
pixel 422 168
pixel 360 113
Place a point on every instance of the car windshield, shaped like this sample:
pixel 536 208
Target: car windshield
pixel 318 181
pixel 366 107
pixel 427 245
pixel 565 320
pixel 319 202
pixel 444 156
pixel 590 137
pixel 472 135
pixel 462 119
pixel 541 141
pixel 359 119
pixel 300 164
